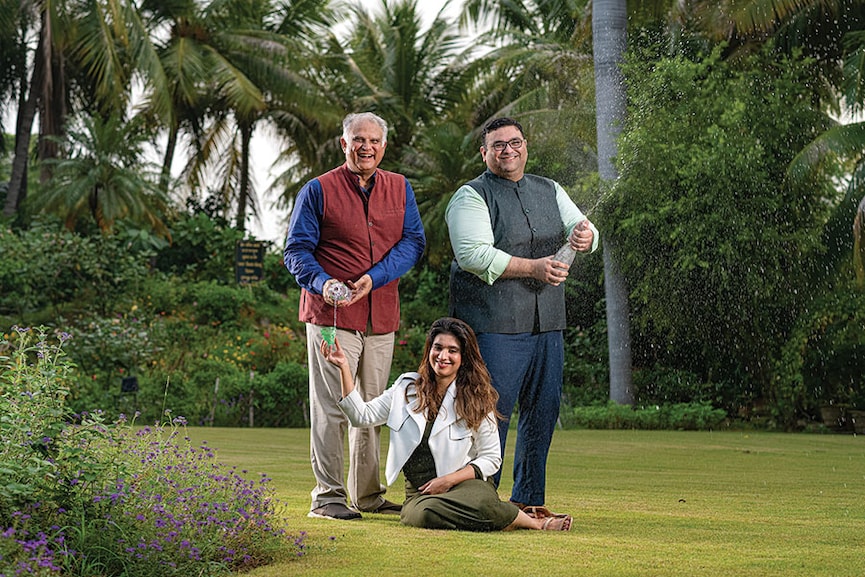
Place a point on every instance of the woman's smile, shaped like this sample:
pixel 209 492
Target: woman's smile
pixel 445 357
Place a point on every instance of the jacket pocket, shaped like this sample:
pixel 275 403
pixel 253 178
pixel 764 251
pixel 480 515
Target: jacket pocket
pixel 458 431
pixel 396 420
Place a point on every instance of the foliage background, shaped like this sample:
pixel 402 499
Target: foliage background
pixel 732 214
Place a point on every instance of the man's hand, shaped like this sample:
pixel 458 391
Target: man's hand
pixel 543 269
pixel 552 271
pixel 582 236
pixel 359 289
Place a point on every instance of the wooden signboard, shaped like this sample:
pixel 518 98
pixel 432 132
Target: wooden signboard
pixel 249 261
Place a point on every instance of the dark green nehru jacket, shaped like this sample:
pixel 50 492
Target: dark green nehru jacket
pixel 526 223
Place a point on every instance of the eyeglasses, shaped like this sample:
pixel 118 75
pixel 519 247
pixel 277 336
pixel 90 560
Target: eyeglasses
pixel 514 143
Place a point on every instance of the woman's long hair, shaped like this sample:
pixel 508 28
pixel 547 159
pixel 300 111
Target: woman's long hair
pixel 475 398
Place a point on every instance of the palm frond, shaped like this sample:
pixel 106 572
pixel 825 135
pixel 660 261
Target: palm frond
pixel 840 141
pixel 853 84
pixel 764 15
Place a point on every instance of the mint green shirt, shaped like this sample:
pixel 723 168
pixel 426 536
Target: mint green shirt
pixel 471 232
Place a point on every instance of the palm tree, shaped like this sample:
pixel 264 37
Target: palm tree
pixel 28 13
pixel 845 143
pixel 442 159
pixel 411 76
pixel 102 174
pixel 13 52
pixel 81 59
pixel 609 29
pixel 541 65
pixel 251 65
pixel 859 242
pixel 832 33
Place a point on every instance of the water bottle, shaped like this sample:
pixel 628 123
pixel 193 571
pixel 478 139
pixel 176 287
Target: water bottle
pixel 566 254
pixel 338 291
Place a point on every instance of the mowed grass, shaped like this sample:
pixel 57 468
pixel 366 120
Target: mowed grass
pixel 644 503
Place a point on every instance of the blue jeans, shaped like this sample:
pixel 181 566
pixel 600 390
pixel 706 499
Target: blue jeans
pixel 527 369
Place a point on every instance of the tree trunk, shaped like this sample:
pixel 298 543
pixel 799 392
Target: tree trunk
pixel 52 112
pixel 26 115
pixel 609 33
pixel 168 160
pixel 243 196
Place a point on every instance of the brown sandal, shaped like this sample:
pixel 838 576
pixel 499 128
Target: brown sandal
pixel 539 511
pixel 558 523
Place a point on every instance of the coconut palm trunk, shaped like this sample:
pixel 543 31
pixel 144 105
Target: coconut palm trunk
pixel 609 34
pixel 26 116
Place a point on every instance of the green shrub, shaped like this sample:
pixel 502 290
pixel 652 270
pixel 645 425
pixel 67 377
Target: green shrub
pixel 720 257
pixel 679 416
pixel 260 349
pixel 210 391
pixel 424 296
pixel 276 276
pixel 270 306
pixel 215 304
pixel 821 362
pixel 408 350
pixel 79 496
pixel 161 295
pixel 43 267
pixel 586 369
pixel 202 248
pixel 663 386
pixel 280 396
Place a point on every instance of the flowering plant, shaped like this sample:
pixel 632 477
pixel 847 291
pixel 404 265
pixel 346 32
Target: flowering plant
pixel 79 496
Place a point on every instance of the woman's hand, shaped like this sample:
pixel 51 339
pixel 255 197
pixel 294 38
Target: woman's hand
pixel 444 483
pixel 333 354
pixel 437 486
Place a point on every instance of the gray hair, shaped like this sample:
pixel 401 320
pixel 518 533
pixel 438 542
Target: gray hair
pixel 353 119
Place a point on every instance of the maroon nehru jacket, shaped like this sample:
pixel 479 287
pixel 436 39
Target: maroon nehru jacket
pixel 357 232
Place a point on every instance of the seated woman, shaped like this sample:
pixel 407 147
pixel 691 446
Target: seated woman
pixel 444 435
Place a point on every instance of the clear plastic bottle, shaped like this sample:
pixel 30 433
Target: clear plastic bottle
pixel 566 254
pixel 338 291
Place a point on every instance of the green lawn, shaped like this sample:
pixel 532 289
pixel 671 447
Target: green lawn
pixel 644 503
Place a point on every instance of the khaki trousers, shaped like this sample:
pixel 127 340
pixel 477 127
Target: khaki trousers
pixel 369 357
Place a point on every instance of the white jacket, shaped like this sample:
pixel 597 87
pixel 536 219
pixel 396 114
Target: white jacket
pixel 452 443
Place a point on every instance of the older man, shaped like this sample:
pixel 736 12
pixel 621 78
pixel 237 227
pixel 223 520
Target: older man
pixel 360 226
pixel 504 226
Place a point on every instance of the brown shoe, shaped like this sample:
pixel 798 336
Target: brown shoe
pixel 387 508
pixel 334 511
